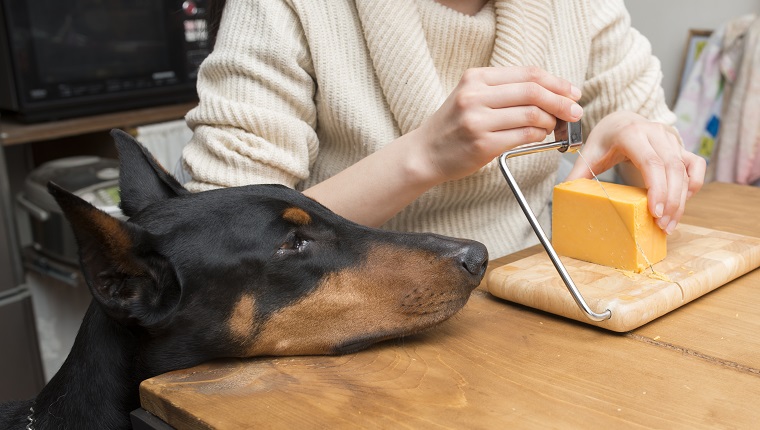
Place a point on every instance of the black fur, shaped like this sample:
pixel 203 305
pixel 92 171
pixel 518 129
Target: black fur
pixel 167 284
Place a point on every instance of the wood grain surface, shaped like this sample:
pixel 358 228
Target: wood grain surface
pixel 498 365
pixel 699 260
pixel 493 367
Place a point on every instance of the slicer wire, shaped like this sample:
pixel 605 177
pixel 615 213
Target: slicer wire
pixel 571 142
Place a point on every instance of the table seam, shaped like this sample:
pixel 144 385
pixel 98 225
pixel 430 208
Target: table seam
pixel 711 359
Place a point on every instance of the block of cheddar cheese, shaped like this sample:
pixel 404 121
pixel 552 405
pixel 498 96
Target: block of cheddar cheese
pixel 589 226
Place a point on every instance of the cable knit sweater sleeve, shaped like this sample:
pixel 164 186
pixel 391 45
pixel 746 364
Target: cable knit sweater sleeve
pixel 622 73
pixel 256 119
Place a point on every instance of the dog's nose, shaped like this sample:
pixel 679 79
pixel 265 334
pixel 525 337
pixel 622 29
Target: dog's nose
pixel 474 258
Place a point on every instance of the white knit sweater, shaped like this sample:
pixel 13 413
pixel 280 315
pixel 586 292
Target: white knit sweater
pixel 297 90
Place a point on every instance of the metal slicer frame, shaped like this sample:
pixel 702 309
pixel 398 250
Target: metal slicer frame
pixel 571 142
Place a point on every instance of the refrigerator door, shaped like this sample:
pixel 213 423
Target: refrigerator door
pixel 20 368
pixel 11 269
pixel 10 258
pixel 20 365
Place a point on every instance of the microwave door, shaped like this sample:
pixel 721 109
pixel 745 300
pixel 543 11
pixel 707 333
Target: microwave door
pixel 85 56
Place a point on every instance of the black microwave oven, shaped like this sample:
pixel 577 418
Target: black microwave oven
pixel 66 58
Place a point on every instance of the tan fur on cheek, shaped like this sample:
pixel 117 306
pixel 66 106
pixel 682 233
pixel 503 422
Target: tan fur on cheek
pixel 242 321
pixel 395 291
pixel 333 311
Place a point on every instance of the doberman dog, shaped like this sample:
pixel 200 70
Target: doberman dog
pixel 238 272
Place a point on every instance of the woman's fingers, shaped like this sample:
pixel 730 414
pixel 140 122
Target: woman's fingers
pixel 500 108
pixel 695 170
pixel 533 94
pixel 511 118
pixel 492 110
pixel 518 136
pixel 500 88
pixel 495 76
pixel 675 185
pixel 670 173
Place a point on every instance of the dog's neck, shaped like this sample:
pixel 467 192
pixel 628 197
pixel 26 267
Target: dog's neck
pixel 97 385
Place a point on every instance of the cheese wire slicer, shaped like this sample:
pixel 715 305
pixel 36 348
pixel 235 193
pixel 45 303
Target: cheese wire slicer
pixel 570 140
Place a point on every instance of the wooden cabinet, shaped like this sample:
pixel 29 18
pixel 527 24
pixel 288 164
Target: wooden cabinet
pixel 14 133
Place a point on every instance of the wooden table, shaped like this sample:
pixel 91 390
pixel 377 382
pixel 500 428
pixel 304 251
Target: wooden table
pixel 499 365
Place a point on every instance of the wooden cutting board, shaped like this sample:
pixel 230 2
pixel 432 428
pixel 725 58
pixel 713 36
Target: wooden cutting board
pixel 699 260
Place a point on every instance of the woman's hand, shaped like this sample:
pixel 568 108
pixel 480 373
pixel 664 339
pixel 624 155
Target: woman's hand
pixel 492 110
pixel 670 173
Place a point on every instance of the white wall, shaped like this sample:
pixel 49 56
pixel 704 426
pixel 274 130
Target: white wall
pixel 667 22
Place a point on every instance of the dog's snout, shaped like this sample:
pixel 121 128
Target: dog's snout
pixel 474 258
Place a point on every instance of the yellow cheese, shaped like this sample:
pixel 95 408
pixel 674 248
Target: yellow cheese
pixel 588 226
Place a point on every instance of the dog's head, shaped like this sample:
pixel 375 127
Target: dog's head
pixel 258 270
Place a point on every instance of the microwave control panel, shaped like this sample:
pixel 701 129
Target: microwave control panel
pixel 196 35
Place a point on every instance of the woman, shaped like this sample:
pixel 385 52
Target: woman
pixel 391 113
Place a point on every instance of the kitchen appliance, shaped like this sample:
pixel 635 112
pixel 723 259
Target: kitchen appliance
pixel 65 58
pixel 94 179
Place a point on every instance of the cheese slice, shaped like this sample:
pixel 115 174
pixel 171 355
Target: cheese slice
pixel 589 226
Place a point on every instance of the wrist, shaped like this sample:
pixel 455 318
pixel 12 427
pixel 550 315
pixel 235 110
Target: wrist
pixel 414 160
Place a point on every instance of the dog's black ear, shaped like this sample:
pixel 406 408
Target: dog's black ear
pixel 126 276
pixel 142 180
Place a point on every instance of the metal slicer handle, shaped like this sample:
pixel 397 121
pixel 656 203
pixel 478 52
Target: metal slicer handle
pixel 572 141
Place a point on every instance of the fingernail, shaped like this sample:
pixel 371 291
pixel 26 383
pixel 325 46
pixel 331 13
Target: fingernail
pixel 663 222
pixel 671 227
pixel 658 210
pixel 576 110
pixel 575 92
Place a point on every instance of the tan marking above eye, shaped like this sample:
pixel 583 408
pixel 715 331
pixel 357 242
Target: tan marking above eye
pixel 296 216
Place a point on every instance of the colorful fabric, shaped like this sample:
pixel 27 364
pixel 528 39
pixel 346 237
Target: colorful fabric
pixel 737 158
pixel 701 100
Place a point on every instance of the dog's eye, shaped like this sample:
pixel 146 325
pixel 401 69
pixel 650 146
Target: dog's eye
pixel 294 243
